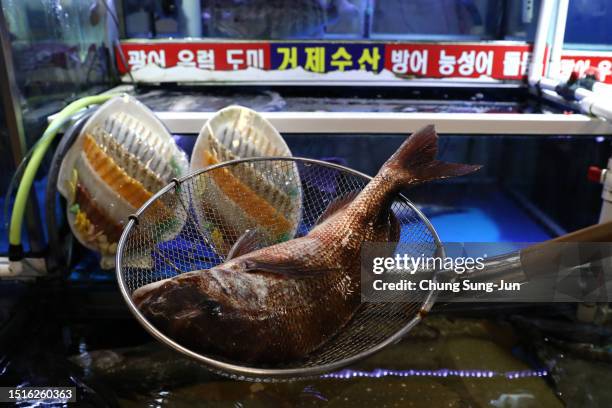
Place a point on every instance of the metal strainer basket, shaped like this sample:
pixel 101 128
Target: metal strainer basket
pixel 151 250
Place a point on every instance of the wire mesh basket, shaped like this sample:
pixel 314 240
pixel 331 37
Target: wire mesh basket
pixel 181 230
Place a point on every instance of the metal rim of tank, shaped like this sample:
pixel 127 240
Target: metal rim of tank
pixel 274 374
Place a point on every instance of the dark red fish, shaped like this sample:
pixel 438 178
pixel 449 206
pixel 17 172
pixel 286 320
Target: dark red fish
pixel 282 302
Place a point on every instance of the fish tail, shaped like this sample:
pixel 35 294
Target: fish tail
pixel 415 161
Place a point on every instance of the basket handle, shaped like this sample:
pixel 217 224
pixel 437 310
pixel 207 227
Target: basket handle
pixel 543 255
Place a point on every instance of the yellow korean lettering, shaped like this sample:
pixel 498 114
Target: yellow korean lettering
pixel 341 59
pixel 289 57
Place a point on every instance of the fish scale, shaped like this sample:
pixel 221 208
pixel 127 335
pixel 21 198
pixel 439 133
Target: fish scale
pixel 293 297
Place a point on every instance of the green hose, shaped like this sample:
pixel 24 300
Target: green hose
pixel 38 154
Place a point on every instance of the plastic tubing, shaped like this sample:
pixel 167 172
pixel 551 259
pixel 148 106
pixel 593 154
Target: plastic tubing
pixel 39 151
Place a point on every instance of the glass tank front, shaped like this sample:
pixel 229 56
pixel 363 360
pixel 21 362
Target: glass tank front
pixel 531 188
pixel 330 19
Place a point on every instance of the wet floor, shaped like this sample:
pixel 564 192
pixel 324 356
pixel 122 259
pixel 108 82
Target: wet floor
pixel 444 362
pixel 502 356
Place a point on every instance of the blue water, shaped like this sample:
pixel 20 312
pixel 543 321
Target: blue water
pixel 491 218
pixel 39 188
pixel 488 217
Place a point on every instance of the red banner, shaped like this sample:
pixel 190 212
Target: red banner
pixel 582 60
pixel 204 55
pixel 347 60
pixel 458 60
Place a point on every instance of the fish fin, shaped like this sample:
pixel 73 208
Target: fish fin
pixel 248 242
pixel 414 162
pixel 288 269
pixel 337 205
pixel 396 229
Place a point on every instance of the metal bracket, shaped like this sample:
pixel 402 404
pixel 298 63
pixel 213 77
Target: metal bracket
pixel 133 217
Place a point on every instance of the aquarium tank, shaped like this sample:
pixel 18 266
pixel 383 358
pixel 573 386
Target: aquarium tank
pixel 330 19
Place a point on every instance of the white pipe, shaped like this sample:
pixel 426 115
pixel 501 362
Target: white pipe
pixel 594 104
pixel 190 17
pixel 598 107
pixel 591 103
pixel 548 83
pixel 602 89
pixel 606 194
pixel 541 40
pixel 27 268
pixel 554 68
pixel 4 267
pixel 583 93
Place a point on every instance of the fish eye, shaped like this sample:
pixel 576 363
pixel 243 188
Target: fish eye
pixel 211 307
